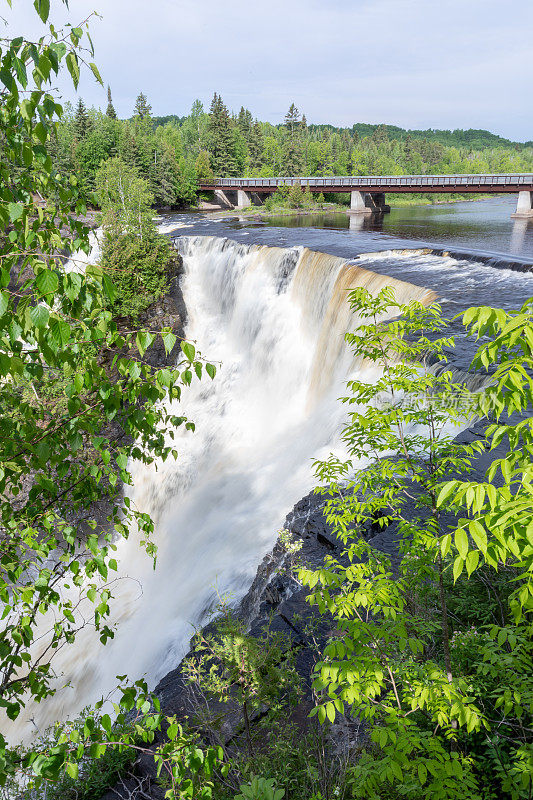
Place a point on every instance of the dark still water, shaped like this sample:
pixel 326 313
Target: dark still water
pixel 482 226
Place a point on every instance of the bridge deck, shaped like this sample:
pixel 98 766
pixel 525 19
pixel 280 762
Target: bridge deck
pixel 511 183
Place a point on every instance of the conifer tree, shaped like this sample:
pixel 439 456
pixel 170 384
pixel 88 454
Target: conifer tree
pixel 292 149
pixel 82 122
pixel 245 121
pixel 110 112
pixel 256 147
pixel 221 139
pixel 380 135
pixel 305 141
pixel 142 110
pixel 197 113
pixel 292 119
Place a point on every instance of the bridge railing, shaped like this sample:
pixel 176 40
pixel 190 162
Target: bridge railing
pixel 382 181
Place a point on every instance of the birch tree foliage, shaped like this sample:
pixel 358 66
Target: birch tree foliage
pixel 78 403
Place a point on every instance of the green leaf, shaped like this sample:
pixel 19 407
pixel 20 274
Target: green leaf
pixel 461 542
pixel 96 73
pixel 72 769
pixel 4 303
pixel 478 534
pixel 39 315
pixel 109 287
pixel 445 492
pixel 15 211
pixel 41 132
pixel 211 370
pixel 43 8
pixel 47 282
pixel 143 340
pixel 73 68
pixel 169 340
pixel 471 561
pixel 172 731
pixel 188 350
pixel 422 773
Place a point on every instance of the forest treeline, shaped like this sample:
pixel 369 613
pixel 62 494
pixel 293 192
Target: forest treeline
pixel 175 153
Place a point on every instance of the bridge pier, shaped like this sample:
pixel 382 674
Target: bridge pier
pixel 368 203
pixel 223 199
pixel 524 205
pixel 358 204
pixel 244 199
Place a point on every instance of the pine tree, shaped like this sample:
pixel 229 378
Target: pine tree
pixel 221 139
pixel 292 150
pixel 380 135
pixel 142 110
pixel 292 119
pixel 163 175
pixel 245 121
pixel 110 112
pixel 82 121
pixel 256 147
pixel 305 140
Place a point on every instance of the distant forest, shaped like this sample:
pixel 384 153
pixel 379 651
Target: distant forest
pixel 475 138
pixel 174 153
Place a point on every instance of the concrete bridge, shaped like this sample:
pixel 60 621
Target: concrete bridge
pixel 368 192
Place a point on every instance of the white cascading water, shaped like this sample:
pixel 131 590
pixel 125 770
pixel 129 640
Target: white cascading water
pixel 275 320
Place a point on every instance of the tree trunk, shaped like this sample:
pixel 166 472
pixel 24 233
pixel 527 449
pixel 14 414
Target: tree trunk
pixel 247 729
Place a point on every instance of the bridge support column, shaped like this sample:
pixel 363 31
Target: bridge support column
pixel 358 203
pixel 244 199
pixel 379 202
pixel 223 199
pixel 368 203
pixel 524 206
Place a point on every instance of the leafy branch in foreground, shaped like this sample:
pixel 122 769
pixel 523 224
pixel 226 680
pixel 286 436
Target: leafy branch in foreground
pixel 57 458
pixel 69 756
pixel 499 526
pixel 398 661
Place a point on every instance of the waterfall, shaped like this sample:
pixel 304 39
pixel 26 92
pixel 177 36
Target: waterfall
pixel 275 320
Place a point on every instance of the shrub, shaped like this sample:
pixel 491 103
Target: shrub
pixel 254 672
pixel 139 267
pixel 449 707
pixel 296 195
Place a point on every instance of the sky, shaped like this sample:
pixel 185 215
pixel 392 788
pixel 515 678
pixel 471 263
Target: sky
pixel 412 63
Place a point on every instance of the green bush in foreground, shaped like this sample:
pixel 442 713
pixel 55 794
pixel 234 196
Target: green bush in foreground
pixel 60 451
pixel 449 707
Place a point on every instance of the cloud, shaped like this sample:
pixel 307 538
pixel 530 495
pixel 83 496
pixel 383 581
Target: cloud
pixel 409 62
